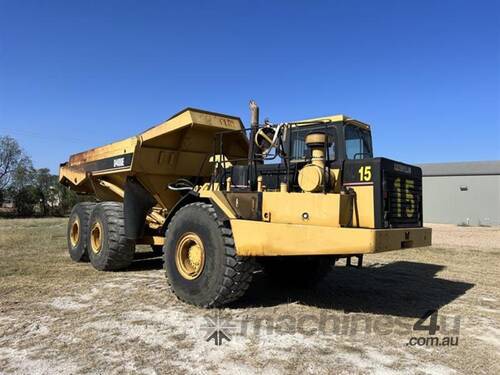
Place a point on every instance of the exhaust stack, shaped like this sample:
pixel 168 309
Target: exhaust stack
pixel 254 122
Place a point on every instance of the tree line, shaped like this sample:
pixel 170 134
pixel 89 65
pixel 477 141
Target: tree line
pixel 31 191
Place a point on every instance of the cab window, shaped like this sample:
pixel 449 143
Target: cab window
pixel 358 142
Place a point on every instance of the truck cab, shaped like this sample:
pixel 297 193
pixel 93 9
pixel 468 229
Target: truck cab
pixel 393 188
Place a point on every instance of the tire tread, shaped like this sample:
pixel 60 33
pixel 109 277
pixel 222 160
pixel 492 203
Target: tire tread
pixel 84 209
pixel 121 251
pixel 238 270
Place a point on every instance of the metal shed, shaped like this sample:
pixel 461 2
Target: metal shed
pixel 462 193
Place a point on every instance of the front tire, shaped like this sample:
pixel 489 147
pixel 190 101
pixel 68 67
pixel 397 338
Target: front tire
pixel 200 259
pixel 108 248
pixel 77 232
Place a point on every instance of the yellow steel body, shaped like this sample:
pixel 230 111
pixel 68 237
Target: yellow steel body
pixel 310 223
pixel 268 239
pixel 177 148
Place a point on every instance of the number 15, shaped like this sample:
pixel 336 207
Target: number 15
pixel 365 173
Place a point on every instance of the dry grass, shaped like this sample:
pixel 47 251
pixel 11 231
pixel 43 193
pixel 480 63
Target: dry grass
pixel 61 317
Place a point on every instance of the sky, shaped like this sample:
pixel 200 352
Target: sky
pixel 424 74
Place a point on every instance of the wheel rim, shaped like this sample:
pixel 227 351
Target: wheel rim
pixel 96 237
pixel 74 233
pixel 190 256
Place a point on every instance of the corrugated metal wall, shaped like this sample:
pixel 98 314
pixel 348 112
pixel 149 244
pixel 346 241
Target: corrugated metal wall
pixel 456 199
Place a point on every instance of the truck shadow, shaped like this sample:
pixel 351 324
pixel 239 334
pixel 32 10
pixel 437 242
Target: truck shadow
pixel 406 289
pixel 145 261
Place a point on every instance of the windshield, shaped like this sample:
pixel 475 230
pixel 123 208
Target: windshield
pixel 358 142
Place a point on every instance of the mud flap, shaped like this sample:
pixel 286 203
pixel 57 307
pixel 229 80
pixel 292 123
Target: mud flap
pixel 136 204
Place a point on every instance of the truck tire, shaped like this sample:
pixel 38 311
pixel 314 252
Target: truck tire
pixel 299 271
pixel 108 248
pixel 78 228
pixel 200 259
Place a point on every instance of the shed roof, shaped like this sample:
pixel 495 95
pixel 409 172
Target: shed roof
pixel 466 168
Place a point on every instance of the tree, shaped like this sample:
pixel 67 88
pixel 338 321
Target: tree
pixel 34 191
pixel 65 198
pixel 11 158
pixel 23 175
pixel 25 200
pixel 44 183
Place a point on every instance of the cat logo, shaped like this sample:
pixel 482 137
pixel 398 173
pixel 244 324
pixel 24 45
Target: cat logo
pixel 120 162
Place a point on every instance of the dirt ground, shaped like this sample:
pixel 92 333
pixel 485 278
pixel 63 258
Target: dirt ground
pixel 57 316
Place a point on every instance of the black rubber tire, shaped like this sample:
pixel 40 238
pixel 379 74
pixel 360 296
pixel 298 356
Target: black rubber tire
pixel 80 211
pixel 299 271
pixel 225 276
pixel 157 250
pixel 117 252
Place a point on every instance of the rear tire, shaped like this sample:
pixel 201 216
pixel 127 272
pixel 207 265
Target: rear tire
pixel 77 232
pixel 200 259
pixel 300 271
pixel 108 248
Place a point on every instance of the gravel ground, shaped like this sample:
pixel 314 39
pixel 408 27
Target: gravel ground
pixel 483 238
pixel 62 317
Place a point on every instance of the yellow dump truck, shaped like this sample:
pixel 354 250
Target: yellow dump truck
pixel 217 200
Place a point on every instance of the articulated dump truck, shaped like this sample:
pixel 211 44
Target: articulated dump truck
pixel 220 201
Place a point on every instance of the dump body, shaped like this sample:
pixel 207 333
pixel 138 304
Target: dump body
pixel 180 147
